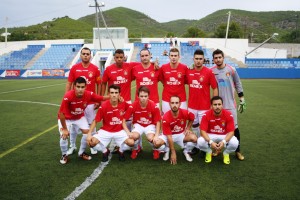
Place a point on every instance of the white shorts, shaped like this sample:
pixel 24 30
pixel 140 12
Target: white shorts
pixel 177 138
pixel 141 129
pixel 105 137
pixel 230 147
pixel 76 124
pixel 198 115
pixel 90 113
pixel 166 106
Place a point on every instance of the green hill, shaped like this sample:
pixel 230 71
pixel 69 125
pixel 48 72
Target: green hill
pixel 138 24
pixel 258 25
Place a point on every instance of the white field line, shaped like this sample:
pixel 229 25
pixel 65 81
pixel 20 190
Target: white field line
pixel 33 137
pixel 89 180
pixel 34 102
pixel 25 89
pixel 96 173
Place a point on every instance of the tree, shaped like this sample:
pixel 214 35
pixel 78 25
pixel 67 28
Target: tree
pixel 170 34
pixel 194 32
pixel 234 31
pixel 292 37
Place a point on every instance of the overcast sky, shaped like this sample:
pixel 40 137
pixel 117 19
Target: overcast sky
pixel 30 12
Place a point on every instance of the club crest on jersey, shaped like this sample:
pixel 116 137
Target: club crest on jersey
pixel 179 74
pixel 150 115
pixel 152 74
pixel 125 72
pixel 201 78
pixel 182 122
pixel 223 123
pixel 90 74
pixel 84 104
pixel 227 74
pixel 121 112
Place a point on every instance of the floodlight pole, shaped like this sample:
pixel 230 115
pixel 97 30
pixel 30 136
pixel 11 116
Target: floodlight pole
pixel 296 28
pixel 106 28
pixel 97 19
pixel 229 13
pixel 272 36
pixel 5 34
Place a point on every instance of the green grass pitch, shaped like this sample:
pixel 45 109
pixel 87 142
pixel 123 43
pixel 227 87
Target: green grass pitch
pixel 270 134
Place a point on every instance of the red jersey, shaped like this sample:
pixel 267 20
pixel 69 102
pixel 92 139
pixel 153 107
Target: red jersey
pixel 173 81
pixel 171 125
pixel 91 74
pixel 147 77
pixel 120 76
pixel 73 107
pixel 112 116
pixel 220 125
pixel 144 116
pixel 199 87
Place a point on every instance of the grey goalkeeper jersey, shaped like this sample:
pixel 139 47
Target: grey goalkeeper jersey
pixel 228 82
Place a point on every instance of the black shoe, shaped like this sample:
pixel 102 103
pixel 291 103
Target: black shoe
pixel 202 154
pixel 116 150
pixel 121 157
pixel 194 151
pixel 105 156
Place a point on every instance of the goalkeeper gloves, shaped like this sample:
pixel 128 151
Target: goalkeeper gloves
pixel 242 105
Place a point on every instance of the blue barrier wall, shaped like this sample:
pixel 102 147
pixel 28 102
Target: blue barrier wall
pixel 262 73
pixel 247 73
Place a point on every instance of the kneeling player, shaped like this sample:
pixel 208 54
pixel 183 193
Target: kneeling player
pixel 217 131
pixel 146 119
pixel 71 114
pixel 111 113
pixel 175 129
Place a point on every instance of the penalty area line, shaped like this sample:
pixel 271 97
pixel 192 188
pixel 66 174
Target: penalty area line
pixel 26 141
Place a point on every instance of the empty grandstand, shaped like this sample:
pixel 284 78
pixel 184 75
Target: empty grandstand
pixel 61 55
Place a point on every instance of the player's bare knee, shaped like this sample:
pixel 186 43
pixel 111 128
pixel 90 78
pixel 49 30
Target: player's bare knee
pixel 150 137
pixel 136 136
pixel 84 131
pixel 194 138
pixel 129 142
pixel 158 143
pixel 94 141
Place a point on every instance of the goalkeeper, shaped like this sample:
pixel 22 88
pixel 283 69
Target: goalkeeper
pixel 229 83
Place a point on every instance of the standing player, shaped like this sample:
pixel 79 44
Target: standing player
pixel 71 113
pixel 92 75
pixel 111 113
pixel 217 128
pixel 229 82
pixel 119 74
pixel 173 79
pixel 146 119
pixel 146 74
pixel 200 79
pixel 176 129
